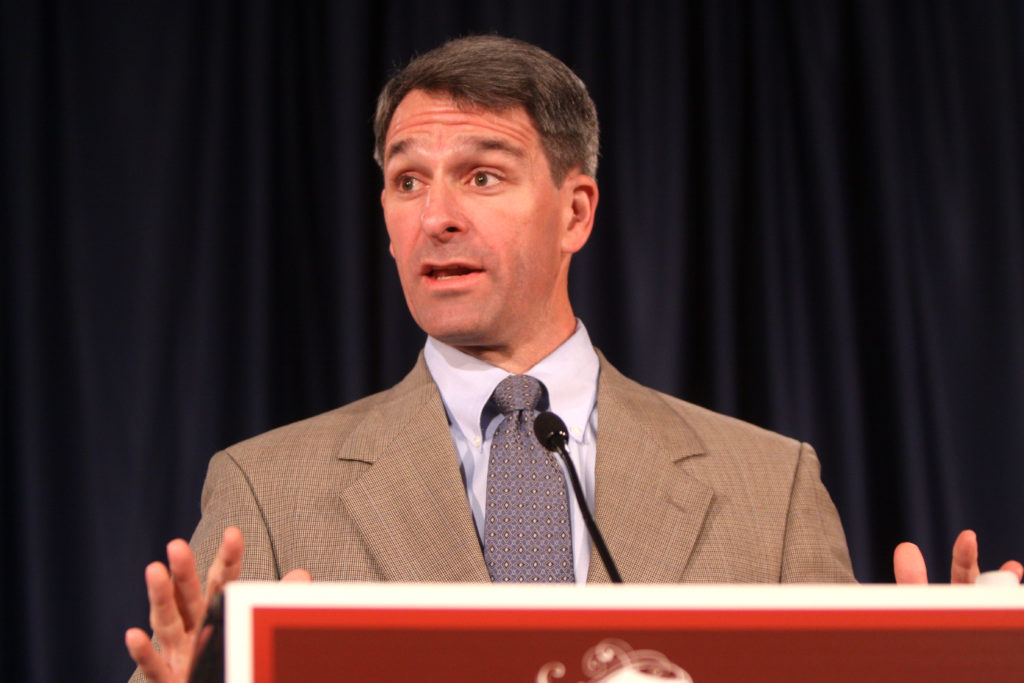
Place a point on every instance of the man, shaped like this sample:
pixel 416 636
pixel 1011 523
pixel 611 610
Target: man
pixel 488 149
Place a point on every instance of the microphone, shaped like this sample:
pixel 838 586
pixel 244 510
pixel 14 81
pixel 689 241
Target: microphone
pixel 553 435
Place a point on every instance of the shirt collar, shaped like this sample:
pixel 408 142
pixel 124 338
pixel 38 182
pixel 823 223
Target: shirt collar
pixel 466 383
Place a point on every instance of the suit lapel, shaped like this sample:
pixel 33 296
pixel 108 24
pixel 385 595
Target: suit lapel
pixel 410 507
pixel 648 509
pixel 411 511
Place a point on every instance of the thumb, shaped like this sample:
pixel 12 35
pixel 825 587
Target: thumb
pixel 297 576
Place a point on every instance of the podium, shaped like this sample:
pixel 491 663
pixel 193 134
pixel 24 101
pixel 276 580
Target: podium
pixel 279 633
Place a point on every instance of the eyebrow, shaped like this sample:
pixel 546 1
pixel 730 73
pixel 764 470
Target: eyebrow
pixel 476 144
pixel 396 148
pixel 497 145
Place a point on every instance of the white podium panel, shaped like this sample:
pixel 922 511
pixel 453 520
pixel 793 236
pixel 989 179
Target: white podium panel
pixel 477 632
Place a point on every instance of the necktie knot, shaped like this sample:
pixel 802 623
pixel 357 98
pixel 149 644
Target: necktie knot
pixel 518 392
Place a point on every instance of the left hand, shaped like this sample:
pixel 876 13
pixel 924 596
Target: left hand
pixel 909 567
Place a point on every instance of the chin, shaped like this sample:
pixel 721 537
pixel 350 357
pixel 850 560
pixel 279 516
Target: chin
pixel 450 321
pixel 455 333
pixel 459 338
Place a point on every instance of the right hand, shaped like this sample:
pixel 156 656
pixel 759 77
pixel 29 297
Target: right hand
pixel 178 605
pixel 909 566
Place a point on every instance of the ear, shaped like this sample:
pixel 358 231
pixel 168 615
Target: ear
pixel 581 202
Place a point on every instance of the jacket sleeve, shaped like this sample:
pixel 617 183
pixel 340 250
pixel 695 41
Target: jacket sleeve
pixel 229 500
pixel 814 547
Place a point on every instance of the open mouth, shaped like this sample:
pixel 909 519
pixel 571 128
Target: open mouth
pixel 449 272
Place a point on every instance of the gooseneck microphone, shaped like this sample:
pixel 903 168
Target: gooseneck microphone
pixel 552 434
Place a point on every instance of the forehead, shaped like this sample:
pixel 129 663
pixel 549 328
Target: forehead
pixel 422 119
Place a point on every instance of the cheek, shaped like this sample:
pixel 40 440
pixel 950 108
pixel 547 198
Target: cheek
pixel 537 258
pixel 399 234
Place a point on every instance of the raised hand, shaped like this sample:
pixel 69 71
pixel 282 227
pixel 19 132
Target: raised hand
pixel 909 567
pixel 177 608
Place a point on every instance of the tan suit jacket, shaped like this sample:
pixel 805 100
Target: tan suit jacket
pixel 372 491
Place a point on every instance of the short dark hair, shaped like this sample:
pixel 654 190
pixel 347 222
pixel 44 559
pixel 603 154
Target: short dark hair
pixel 496 74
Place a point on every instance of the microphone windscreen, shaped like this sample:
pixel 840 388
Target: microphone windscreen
pixel 551 431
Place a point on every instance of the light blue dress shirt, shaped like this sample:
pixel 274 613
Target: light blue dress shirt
pixel 570 374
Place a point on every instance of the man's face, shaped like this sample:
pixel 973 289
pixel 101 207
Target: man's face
pixel 479 231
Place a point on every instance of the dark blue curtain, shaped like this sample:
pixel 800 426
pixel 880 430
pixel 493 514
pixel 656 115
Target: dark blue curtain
pixel 811 218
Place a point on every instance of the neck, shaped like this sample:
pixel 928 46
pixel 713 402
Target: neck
pixel 519 358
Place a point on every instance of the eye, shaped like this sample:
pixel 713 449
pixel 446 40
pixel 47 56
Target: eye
pixel 406 183
pixel 484 179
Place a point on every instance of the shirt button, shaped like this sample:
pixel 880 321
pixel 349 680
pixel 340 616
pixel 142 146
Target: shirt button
pixel 477 441
pixel 576 431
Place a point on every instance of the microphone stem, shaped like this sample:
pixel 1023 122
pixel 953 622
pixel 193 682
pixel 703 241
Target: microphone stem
pixel 595 534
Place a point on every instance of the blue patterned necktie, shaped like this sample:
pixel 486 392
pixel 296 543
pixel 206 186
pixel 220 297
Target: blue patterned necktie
pixel 527 537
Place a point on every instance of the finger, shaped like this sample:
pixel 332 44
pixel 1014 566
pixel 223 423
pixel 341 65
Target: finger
pixel 965 558
pixel 297 576
pixel 141 650
pixel 1015 567
pixel 908 564
pixel 164 617
pixel 188 589
pixel 228 564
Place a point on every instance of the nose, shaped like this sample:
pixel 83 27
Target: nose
pixel 441 217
